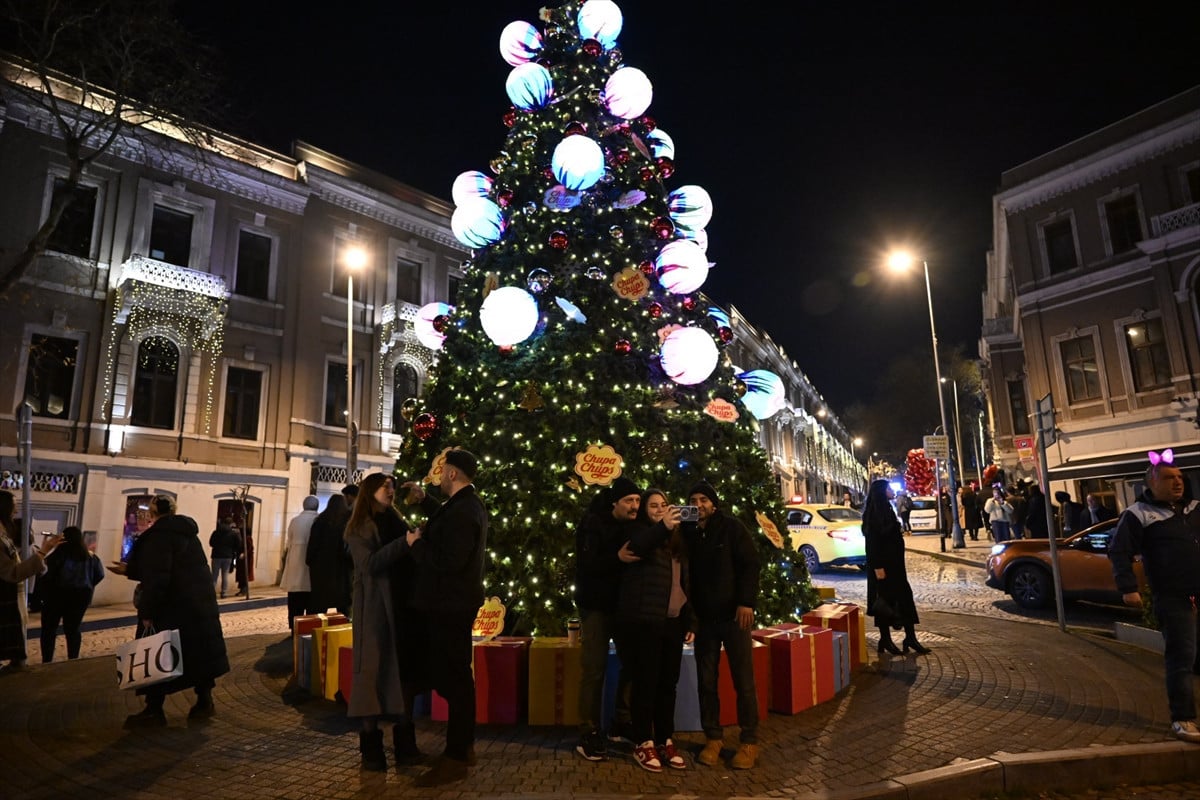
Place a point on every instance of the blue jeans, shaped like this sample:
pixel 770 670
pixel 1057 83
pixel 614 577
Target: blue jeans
pixel 1178 621
pixel 1000 531
pixel 709 638
pixel 220 567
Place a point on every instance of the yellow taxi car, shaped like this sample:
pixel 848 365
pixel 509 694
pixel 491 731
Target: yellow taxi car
pixel 1021 568
pixel 826 535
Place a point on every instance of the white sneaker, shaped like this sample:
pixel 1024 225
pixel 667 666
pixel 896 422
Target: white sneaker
pixel 1186 730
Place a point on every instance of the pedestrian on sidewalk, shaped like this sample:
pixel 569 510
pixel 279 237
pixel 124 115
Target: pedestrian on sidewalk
pixel 224 544
pixel 999 513
pixel 889 595
pixel 175 592
pixel 72 572
pixel 295 580
pixel 13 571
pixel 330 568
pixel 1164 529
pixel 724 578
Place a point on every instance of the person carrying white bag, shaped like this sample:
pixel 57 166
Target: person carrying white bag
pixel 175 594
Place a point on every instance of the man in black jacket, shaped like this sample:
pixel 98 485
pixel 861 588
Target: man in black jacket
pixel 449 552
pixel 724 579
pixel 1165 530
pixel 599 539
pixel 226 545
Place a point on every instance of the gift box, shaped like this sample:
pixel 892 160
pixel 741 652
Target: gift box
pixel 303 661
pixel 501 679
pixel 320 656
pixel 824 647
pixel 760 658
pixel 554 665
pixel 335 638
pixel 345 680
pixel 687 693
pixel 847 618
pixel 841 660
pixel 799 664
pixel 306 624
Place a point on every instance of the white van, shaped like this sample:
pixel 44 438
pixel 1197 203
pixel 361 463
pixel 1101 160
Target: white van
pixel 923 518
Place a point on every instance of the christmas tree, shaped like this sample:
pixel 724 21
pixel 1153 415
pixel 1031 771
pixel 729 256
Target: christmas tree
pixel 578 348
pixel 918 475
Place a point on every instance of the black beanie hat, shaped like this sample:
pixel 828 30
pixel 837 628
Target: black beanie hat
pixel 464 461
pixel 705 488
pixel 622 487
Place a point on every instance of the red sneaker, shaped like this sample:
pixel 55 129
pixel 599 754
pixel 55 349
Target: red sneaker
pixel 668 755
pixel 647 757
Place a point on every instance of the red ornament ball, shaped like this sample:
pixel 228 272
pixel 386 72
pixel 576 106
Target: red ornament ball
pixel 623 347
pixel 663 227
pixel 725 333
pixel 688 303
pixel 647 267
pixel 504 197
pixel 510 118
pixel 646 173
pixel 592 47
pixel 648 124
pixel 666 167
pixel 574 129
pixel 441 322
pixel 548 174
pixel 425 426
pixel 655 309
pixel 622 156
pixel 559 240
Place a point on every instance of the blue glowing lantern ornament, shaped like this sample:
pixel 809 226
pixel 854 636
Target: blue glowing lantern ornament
pixel 477 222
pixel 600 20
pixel 690 207
pixel 700 238
pixel 520 43
pixel 682 267
pixel 661 145
pixel 720 316
pixel 470 185
pixel 529 86
pixel 425 327
pixel 628 93
pixel 689 356
pixel 578 163
pixel 508 315
pixel 765 393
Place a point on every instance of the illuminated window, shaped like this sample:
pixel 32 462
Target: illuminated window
pixel 1081 369
pixel 1148 355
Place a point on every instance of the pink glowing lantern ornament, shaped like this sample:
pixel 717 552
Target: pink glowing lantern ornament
pixel 577 162
pixel 469 186
pixel 520 43
pixel 689 356
pixel 600 20
pixel 477 222
pixel 628 93
pixel 682 267
pixel 529 86
pixel 429 331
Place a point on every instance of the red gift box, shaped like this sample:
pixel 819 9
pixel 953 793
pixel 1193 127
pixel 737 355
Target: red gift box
pixel 825 675
pixel 345 671
pixel 308 623
pixel 793 671
pixel 761 659
pixel 501 667
pixel 844 617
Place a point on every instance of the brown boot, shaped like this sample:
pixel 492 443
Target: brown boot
pixel 710 756
pixel 445 770
pixel 745 757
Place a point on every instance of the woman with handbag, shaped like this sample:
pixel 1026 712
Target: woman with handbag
pixel 176 593
pixel 889 597
pixel 14 570
pixel 72 572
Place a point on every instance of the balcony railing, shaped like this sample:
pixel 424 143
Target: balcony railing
pixel 159 286
pixel 1180 218
pixel 170 276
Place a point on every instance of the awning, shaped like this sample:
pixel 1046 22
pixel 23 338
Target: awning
pixel 1131 464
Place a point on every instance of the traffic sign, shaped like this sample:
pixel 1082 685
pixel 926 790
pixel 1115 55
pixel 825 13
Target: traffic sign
pixel 937 446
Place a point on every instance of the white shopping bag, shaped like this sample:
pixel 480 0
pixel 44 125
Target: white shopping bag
pixel 154 658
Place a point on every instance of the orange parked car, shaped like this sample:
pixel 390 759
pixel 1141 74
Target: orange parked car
pixel 1021 568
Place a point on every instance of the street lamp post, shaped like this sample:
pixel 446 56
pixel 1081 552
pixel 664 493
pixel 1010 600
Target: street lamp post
pixel 901 262
pixel 958 430
pixel 354 259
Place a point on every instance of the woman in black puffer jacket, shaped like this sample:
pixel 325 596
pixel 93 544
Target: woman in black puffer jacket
pixel 654 620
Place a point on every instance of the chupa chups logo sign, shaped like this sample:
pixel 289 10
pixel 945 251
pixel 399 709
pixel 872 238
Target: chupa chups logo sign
pixel 489 621
pixel 631 284
pixel 599 464
pixel 435 469
pixel 769 529
pixel 722 410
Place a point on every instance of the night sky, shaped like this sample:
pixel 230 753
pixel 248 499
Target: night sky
pixel 824 132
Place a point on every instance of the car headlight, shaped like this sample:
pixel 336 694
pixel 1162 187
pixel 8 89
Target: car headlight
pixel 997 549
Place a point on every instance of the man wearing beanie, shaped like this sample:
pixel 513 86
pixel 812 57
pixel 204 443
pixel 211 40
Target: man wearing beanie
pixel 605 530
pixel 724 570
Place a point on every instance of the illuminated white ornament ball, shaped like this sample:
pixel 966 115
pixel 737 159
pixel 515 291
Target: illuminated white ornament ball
pixel 700 237
pixel 470 185
pixel 682 267
pixel 427 334
pixel 508 315
pixel 627 93
pixel 529 86
pixel 690 207
pixel 578 162
pixel 689 356
pixel 520 43
pixel 661 145
pixel 477 222
pixel 600 20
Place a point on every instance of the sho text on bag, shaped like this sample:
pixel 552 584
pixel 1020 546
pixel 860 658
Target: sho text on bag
pixel 154 658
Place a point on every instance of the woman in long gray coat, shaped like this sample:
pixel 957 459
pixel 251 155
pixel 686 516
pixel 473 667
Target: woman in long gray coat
pixel 375 538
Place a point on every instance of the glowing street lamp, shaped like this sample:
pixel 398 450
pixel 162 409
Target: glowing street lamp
pixel 900 261
pixel 354 258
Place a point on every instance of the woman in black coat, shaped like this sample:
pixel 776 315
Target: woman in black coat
pixel 71 576
pixel 889 597
pixel 176 593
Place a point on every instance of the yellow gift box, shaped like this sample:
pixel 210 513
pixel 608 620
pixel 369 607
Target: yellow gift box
pixel 554 666
pixel 337 637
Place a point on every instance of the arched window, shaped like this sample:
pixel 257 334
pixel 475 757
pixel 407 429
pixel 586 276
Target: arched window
pixel 155 383
pixel 404 386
